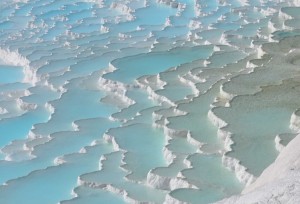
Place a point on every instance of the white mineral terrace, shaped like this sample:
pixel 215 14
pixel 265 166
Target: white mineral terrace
pixel 149 101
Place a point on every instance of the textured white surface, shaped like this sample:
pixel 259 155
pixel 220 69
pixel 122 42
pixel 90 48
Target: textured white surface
pixel 279 183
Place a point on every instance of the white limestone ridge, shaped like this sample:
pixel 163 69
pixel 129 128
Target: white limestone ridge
pixel 14 58
pixel 279 183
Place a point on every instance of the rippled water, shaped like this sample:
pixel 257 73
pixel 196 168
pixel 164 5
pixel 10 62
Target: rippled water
pixel 143 100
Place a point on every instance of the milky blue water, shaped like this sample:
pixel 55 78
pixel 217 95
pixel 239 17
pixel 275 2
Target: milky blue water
pixel 10 74
pixel 140 101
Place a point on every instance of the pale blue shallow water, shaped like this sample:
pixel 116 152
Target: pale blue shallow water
pixel 10 74
pixel 119 101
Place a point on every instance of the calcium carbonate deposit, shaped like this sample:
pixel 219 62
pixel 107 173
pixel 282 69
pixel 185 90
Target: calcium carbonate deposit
pixel 149 101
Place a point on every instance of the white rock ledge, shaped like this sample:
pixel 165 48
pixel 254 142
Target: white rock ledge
pixel 279 183
pixel 157 181
pixel 170 199
pixel 295 121
pixel 230 163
